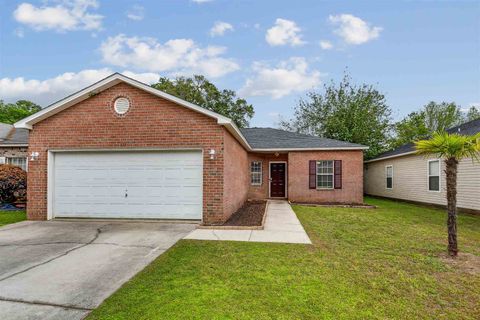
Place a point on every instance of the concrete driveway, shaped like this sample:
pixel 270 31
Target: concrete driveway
pixel 64 269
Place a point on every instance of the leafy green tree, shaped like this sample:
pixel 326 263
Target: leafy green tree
pixel 344 111
pixel 198 90
pixel 412 128
pixel 452 148
pixel 441 116
pixel 12 112
pixel 433 117
pixel 473 113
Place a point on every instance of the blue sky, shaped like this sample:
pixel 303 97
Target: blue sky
pixel 271 52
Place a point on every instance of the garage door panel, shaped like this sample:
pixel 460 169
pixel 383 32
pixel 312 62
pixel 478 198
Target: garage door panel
pixel 162 185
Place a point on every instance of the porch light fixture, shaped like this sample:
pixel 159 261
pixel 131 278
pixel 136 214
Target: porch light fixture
pixel 34 156
pixel 212 154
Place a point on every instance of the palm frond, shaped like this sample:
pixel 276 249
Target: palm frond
pixel 446 145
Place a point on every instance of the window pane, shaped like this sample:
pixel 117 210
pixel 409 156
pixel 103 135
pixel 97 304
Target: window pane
pixel 18 161
pixel 389 171
pixel 389 183
pixel 434 168
pixel 256 172
pixel 434 183
pixel 325 167
pixel 325 181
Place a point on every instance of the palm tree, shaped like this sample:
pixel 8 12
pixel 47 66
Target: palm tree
pixel 452 148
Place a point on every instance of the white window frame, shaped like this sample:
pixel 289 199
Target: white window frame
pixel 386 176
pixel 325 174
pixel 439 175
pixel 8 159
pixel 259 173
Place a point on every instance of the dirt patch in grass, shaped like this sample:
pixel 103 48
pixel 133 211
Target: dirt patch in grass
pixel 250 214
pixel 464 262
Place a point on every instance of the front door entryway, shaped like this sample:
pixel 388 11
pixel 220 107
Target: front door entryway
pixel 277 179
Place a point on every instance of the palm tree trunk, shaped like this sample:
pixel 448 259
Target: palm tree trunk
pixel 451 171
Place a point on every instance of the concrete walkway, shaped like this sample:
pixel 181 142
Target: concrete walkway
pixel 281 225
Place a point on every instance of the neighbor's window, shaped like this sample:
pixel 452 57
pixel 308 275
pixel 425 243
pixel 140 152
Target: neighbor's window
pixel 389 175
pixel 17 161
pixel 325 174
pixel 256 173
pixel 434 175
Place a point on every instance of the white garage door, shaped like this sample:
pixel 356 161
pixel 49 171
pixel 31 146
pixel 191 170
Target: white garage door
pixel 141 185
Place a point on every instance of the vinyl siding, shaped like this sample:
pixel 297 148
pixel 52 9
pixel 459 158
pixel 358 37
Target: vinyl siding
pixel 410 181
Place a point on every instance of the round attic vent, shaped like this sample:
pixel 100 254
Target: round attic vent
pixel 121 105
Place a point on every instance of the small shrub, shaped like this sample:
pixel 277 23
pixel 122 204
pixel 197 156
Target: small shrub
pixel 13 184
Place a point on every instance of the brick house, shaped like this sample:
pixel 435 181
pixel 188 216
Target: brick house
pixel 13 145
pixel 122 149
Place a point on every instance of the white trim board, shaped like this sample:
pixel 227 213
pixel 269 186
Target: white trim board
pixel 390 157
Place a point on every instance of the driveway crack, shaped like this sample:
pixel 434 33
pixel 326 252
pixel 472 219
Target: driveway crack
pixel 40 303
pixel 97 234
pixel 39 244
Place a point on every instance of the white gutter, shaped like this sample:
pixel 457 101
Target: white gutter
pixel 13 145
pixel 389 157
pixel 308 149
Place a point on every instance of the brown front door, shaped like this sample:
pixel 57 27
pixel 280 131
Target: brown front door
pixel 277 180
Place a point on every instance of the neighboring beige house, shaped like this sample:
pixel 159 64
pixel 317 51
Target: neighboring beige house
pixel 401 174
pixel 13 145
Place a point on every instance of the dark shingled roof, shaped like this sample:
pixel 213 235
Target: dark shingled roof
pixel 467 128
pixel 269 138
pixel 11 136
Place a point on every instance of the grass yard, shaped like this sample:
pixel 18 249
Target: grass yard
pixel 7 217
pixel 384 263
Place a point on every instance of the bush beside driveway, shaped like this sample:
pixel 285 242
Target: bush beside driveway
pixel 364 264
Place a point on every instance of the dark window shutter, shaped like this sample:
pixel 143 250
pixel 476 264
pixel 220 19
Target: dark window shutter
pixel 312 174
pixel 338 174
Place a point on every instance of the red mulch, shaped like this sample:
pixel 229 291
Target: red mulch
pixel 250 214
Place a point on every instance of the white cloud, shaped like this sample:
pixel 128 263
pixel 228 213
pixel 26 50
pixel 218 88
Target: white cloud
pixel 326 45
pixel 474 104
pixel 44 92
pixel 219 28
pixel 136 13
pixel 284 32
pixel 177 56
pixel 354 30
pixel 287 77
pixel 65 16
pixel 201 1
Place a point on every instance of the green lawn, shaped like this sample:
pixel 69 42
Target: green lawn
pixel 7 217
pixel 364 264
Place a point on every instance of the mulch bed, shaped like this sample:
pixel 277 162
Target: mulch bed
pixel 250 214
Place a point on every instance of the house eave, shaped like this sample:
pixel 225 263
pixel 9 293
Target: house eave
pixel 13 145
pixel 390 157
pixel 307 149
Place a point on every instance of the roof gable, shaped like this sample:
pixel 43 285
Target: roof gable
pixel 115 79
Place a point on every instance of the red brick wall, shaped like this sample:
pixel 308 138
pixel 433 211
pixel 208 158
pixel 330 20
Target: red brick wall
pixel 150 122
pixel 352 176
pixel 236 178
pixel 261 192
